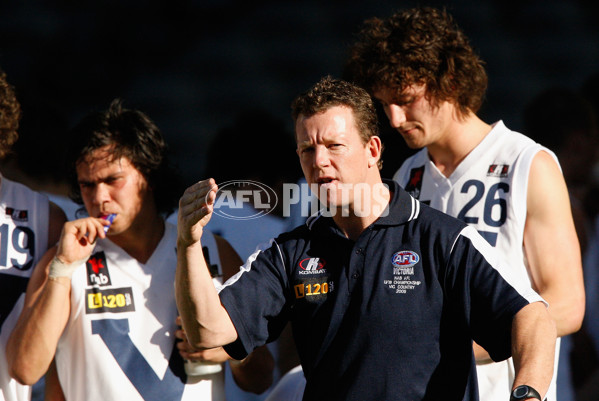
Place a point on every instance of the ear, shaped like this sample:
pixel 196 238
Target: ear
pixel 374 148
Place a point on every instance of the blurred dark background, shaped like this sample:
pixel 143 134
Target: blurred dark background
pixel 195 66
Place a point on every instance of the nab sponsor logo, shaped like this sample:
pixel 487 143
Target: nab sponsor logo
pixel 414 185
pixel 312 266
pixel 405 259
pixel 97 270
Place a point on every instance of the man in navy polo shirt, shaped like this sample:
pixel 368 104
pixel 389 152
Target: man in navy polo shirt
pixel 384 293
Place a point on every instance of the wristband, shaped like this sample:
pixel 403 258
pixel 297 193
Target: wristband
pixel 60 269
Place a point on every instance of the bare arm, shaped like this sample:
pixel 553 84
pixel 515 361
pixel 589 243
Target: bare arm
pixel 36 284
pixel 32 344
pixel 551 245
pixel 552 249
pixel 255 372
pixel 205 321
pixel 481 355
pixel 533 347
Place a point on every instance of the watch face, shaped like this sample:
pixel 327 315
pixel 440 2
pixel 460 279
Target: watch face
pixel 520 392
pixel 523 392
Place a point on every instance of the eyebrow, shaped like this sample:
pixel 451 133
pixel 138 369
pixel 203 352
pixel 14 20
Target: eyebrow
pixel 304 144
pixel 102 179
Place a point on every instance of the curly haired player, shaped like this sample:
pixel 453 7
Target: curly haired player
pixel 419 65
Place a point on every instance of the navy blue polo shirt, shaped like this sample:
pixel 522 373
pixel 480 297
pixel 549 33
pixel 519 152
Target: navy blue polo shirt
pixel 387 317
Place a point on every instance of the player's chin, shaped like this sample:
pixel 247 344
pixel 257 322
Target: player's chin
pixel 337 206
pixel 413 139
pixel 413 143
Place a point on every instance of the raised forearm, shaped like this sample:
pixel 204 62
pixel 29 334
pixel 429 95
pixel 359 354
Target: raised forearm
pixel 33 342
pixel 205 320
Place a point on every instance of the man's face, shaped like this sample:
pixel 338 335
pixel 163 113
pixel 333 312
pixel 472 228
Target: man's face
pixel 333 156
pixel 112 186
pixel 419 122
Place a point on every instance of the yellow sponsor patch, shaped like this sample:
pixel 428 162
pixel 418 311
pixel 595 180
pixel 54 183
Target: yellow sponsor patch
pixel 310 289
pixel 114 300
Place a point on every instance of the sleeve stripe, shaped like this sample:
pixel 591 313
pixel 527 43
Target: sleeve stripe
pixel 247 266
pixel 492 256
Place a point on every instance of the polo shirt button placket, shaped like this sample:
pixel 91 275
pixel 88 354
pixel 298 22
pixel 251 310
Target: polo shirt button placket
pixel 354 266
pixel 359 252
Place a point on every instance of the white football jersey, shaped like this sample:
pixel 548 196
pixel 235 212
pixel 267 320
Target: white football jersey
pixel 487 190
pixel 119 342
pixel 24 216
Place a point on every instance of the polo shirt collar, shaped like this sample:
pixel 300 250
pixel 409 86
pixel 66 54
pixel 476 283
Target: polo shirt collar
pixel 401 209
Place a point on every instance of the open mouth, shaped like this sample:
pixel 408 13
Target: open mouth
pixel 324 180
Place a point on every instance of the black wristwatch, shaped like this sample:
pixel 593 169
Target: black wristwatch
pixel 524 392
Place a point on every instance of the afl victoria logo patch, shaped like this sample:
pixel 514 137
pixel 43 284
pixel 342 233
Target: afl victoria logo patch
pixel 403 280
pixel 405 259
